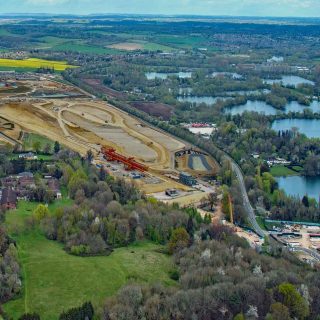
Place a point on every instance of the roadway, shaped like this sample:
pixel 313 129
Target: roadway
pixel 236 169
pixel 251 215
pixel 310 252
pixel 245 200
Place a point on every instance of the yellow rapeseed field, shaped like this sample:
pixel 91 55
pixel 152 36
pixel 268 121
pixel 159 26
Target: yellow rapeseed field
pixel 33 63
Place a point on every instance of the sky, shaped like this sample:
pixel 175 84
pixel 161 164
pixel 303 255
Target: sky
pixel 280 8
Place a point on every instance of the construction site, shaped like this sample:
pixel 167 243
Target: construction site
pixel 125 146
pixel 195 162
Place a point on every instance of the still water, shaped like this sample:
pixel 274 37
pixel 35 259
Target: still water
pixel 263 107
pixel 257 106
pixel 198 100
pixel 295 106
pixel 300 186
pixel 290 81
pixel 309 127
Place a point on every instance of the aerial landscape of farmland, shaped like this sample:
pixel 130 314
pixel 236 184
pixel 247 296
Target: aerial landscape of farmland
pixel 162 163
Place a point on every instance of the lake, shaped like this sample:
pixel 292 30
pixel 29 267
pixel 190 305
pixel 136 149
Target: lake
pixel 257 106
pixel 309 127
pixel 164 76
pixel 248 92
pixel 263 107
pixel 198 100
pixel 300 186
pixel 295 106
pixel 209 100
pixel 290 81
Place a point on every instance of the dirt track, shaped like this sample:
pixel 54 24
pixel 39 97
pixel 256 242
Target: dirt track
pixel 120 130
pixel 83 124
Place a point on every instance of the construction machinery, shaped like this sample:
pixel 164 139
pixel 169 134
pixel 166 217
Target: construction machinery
pixel 129 163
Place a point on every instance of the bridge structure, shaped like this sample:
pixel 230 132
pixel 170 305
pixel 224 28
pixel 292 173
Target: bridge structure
pixel 129 162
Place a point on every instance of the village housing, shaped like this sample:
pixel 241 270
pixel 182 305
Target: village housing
pixel 24 186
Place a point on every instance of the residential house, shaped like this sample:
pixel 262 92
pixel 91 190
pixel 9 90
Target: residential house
pixel 54 186
pixel 28 156
pixel 9 199
pixel 22 184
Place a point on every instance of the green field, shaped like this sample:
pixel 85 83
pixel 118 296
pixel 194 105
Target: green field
pixel 282 171
pixel 4 32
pixel 151 46
pixel 48 42
pixel 44 157
pixel 32 138
pixel 184 42
pixel 33 63
pixel 297 168
pixel 64 44
pixel 84 48
pixel 55 281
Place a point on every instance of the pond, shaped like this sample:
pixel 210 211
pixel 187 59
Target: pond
pixel 289 81
pixel 309 127
pixel 164 76
pixel 300 186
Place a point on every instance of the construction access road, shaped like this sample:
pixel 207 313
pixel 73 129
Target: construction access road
pixel 246 202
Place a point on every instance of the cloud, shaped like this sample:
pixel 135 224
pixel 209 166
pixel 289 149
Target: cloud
pixel 207 7
pixel 46 2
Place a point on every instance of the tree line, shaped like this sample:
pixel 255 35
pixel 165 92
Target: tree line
pixel 219 277
pixel 108 213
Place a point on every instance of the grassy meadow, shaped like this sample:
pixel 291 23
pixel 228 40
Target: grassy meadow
pixel 282 171
pixel 31 139
pixel 183 42
pixel 84 48
pixel 54 281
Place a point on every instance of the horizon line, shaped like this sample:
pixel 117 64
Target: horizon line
pixel 154 15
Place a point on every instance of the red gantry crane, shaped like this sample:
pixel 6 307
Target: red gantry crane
pixel 129 163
